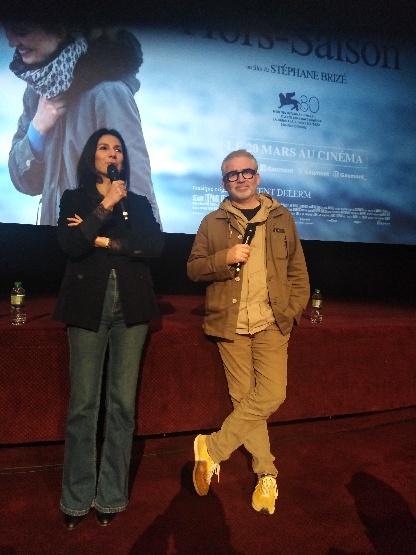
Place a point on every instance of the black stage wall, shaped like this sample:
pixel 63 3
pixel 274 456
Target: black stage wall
pixel 353 271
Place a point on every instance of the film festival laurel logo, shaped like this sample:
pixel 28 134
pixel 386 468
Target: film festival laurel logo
pixel 297 111
pixel 288 100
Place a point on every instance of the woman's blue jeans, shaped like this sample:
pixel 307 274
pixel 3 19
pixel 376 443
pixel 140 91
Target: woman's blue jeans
pixel 81 489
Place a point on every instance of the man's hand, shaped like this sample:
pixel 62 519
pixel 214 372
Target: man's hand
pixel 238 253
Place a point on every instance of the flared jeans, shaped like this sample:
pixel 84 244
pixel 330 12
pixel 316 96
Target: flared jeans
pixel 81 487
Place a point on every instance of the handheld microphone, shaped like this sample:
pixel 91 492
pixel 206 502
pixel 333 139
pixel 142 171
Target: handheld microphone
pixel 114 175
pixel 248 237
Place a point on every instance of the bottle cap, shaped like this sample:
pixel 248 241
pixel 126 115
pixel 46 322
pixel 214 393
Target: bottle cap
pixel 17 283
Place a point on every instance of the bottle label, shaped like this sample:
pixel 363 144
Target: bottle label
pixel 17 299
pixel 316 303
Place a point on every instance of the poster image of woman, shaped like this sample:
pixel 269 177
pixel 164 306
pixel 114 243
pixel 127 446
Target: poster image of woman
pixel 78 79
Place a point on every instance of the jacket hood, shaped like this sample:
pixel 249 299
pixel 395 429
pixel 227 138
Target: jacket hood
pixel 112 56
pixel 268 203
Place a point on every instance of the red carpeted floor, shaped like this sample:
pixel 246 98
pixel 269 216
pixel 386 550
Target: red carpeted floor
pixel 347 486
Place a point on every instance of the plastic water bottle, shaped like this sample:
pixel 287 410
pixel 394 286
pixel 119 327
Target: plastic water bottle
pixel 316 314
pixel 18 304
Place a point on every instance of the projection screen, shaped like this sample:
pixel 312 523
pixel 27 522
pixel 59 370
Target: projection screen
pixel 331 120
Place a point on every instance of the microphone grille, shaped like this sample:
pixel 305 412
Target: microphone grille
pixel 112 172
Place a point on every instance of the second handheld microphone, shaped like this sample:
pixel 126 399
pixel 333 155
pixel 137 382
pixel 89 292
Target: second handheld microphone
pixel 114 175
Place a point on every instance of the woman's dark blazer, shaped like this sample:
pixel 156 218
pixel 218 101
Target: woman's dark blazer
pixel 132 242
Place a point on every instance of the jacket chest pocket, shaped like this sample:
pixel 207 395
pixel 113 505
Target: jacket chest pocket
pixel 279 244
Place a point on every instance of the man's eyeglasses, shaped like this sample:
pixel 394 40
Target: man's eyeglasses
pixel 247 173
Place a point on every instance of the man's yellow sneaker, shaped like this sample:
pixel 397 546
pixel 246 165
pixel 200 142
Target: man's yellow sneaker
pixel 204 467
pixel 265 494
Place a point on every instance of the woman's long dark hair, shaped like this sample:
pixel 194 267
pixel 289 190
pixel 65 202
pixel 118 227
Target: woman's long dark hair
pixel 87 175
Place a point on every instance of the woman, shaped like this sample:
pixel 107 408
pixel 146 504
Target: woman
pixel 77 82
pixel 106 298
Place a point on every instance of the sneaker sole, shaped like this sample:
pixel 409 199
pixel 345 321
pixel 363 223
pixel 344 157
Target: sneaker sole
pixel 196 455
pixel 263 510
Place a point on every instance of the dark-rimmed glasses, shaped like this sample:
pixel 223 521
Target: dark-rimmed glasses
pixel 247 173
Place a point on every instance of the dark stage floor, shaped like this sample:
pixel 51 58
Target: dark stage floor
pixel 346 487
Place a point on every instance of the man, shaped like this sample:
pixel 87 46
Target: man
pixel 258 292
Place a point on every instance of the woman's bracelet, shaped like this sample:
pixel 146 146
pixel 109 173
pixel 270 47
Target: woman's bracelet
pixel 107 245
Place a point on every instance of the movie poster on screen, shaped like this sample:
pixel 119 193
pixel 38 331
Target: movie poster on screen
pixel 329 118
